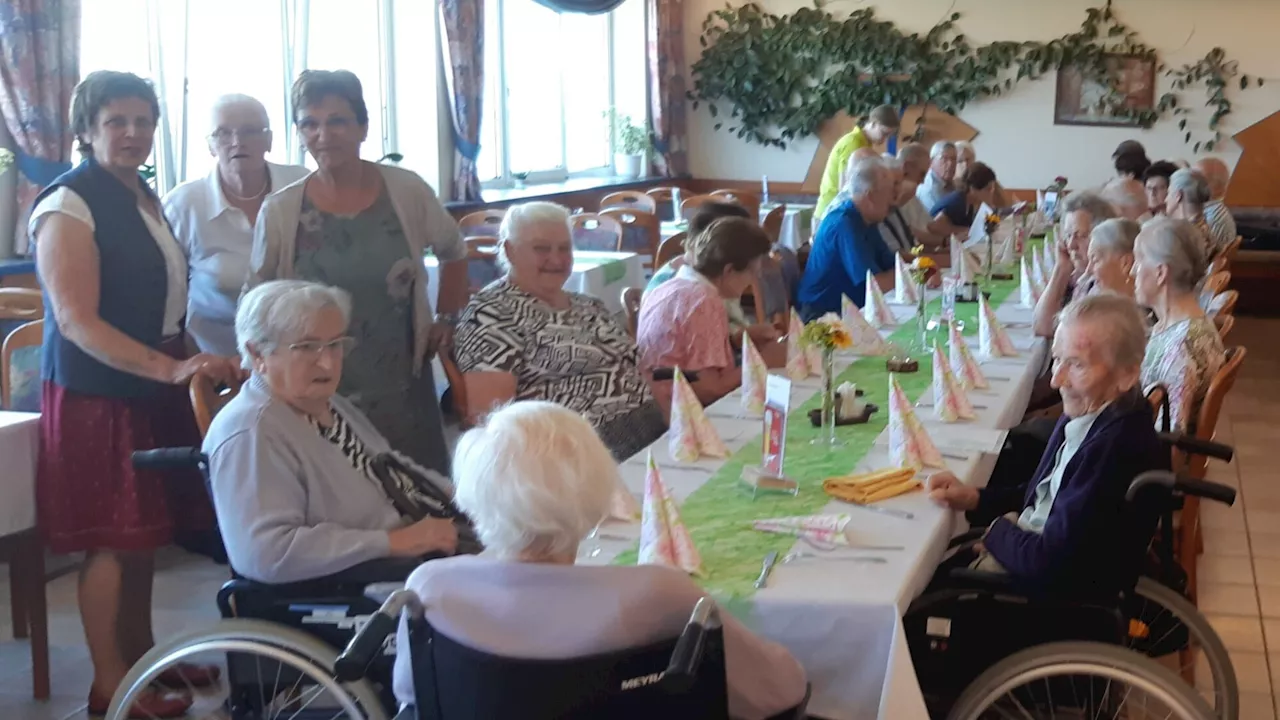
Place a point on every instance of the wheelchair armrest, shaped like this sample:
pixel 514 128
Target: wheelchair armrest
pixel 351 582
pixel 982 580
pixel 379 570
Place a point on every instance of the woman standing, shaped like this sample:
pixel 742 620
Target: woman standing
pixel 114 374
pixel 365 227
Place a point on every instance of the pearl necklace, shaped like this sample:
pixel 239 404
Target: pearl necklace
pixel 266 185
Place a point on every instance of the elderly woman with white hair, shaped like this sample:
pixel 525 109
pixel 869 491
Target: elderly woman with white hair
pixel 1185 351
pixel 304 485
pixel 1188 194
pixel 1111 256
pixel 1081 213
pixel 524 337
pixel 537 480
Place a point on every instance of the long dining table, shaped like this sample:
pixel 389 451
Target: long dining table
pixel 839 612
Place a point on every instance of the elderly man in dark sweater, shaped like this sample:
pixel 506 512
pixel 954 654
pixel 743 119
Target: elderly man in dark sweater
pixel 1068 528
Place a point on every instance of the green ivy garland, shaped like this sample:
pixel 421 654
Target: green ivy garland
pixel 783 75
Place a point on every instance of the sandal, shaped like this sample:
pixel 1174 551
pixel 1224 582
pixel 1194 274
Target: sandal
pixel 183 674
pixel 150 704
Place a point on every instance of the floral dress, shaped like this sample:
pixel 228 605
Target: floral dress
pixel 1184 357
pixel 367 255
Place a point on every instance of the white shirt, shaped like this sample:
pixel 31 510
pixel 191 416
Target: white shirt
pixel 66 201
pixel 1074 432
pixel 217 238
pixel 932 190
pixel 916 215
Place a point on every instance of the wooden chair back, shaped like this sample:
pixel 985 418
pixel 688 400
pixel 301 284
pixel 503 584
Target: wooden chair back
pixel 1219 264
pixel 21 304
pixel 207 399
pixel 1216 283
pixel 457 389
pixel 690 205
pixel 482 262
pixel 1232 248
pixel 772 222
pixel 27 335
pixel 1156 396
pixel 748 200
pixel 631 306
pixel 629 200
pixel 672 247
pixel 783 317
pixel 1224 323
pixel 1224 303
pixel 593 231
pixel 641 232
pixel 664 202
pixel 481 223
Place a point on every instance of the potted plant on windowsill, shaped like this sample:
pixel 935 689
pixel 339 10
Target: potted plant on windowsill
pixel 630 145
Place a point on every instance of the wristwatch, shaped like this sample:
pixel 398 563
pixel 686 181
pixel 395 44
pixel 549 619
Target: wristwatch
pixel 447 318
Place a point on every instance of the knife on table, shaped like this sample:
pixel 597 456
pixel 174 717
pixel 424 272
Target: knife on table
pixel 769 561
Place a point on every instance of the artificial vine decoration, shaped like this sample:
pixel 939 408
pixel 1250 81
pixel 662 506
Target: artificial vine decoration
pixel 783 75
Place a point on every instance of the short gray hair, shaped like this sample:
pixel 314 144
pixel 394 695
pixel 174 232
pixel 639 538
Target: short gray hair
pixel 1117 316
pixel 963 146
pixel 1179 246
pixel 520 218
pixel 865 176
pixel 1090 202
pixel 1115 235
pixel 231 99
pixel 279 311
pixel 914 153
pixel 534 478
pixel 940 147
pixel 1193 186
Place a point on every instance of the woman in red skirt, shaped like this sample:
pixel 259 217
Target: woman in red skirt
pixel 115 376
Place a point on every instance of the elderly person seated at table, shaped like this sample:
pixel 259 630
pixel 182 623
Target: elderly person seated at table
pixel 848 244
pixel 956 212
pixel 1111 256
pixel 1067 528
pixel 1185 351
pixel 537 480
pixel 941 180
pixel 1188 193
pixel 1155 182
pixel 916 169
pixel 524 337
pixel 1222 226
pixel 683 323
pixel 1081 213
pixel 304 485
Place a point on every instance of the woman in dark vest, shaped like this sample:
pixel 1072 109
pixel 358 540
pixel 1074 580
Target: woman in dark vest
pixel 114 372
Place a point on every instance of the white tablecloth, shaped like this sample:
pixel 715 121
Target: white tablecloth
pixel 795 229
pixel 18 446
pixel 599 274
pixel 843 620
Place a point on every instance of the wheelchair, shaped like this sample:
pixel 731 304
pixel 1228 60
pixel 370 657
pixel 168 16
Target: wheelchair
pixel 984 647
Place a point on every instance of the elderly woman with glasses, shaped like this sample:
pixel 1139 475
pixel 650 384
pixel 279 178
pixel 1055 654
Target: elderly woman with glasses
pixel 365 227
pixel 304 484
pixel 537 480
pixel 1081 213
pixel 524 337
pixel 213 217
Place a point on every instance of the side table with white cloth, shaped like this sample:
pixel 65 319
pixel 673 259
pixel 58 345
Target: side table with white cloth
pixel 20 544
pixel 840 617
pixel 599 274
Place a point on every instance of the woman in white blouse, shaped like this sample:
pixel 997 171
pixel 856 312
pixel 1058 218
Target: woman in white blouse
pixel 213 217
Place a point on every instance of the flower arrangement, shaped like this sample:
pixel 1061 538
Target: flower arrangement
pixel 990 223
pixel 827 332
pixel 1058 185
pixel 922 267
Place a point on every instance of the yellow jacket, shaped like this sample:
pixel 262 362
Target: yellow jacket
pixel 844 148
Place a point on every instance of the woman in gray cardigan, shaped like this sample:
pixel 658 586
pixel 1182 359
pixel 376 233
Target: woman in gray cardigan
pixel 300 476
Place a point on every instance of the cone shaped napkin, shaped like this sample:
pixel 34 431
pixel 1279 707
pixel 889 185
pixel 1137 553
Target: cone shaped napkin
pixel 1028 290
pixel 960 261
pixel 1038 271
pixel 866 340
pixel 875 309
pixel 819 528
pixel 624 505
pixel 664 539
pixel 992 338
pixel 798 367
pixel 1049 258
pixel 905 291
pixel 963 364
pixel 755 376
pixel 909 443
pixel 950 402
pixel 1007 254
pixel 691 435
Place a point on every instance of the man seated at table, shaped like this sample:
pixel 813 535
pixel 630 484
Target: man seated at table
pixel 941 180
pixel 878 126
pixel 848 244
pixel 1068 527
pixel 1222 226
pixel 956 211
pixel 916 169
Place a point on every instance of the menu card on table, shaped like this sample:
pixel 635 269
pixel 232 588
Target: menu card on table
pixel 777 401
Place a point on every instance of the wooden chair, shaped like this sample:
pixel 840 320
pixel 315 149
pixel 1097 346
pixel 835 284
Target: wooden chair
pixel 1216 283
pixel 25 339
pixel 207 399
pixel 481 223
pixel 21 304
pixel 641 232
pixel 457 390
pixel 672 247
pixel 631 306
pixel 1232 248
pixel 592 231
pixel 629 200
pixel 482 262
pixel 772 222
pixel 1219 264
pixel 690 205
pixel 1224 303
pixel 783 318
pixel 748 200
pixel 1224 323
pixel 663 199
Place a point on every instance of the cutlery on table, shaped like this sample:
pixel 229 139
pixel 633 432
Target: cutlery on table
pixel 769 561
pixel 794 556
pixel 830 547
pixel 884 510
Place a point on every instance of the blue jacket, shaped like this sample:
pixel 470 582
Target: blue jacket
pixel 1094 542
pixel 132 285
pixel 844 249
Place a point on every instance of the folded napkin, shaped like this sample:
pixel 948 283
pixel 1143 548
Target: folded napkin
pixel 866 339
pixel 799 365
pixel 1007 248
pixel 905 291
pixel 1048 257
pixel 875 309
pixel 909 443
pixel 950 402
pixel 664 539
pixel 1039 272
pixel 992 338
pixel 963 364
pixel 960 261
pixel 755 376
pixel 873 486
pixel 624 505
pixel 691 435
pixel 1028 290
pixel 828 529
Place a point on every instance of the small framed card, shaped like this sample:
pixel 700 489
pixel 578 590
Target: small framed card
pixel 769 476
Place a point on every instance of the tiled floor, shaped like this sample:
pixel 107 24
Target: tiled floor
pixel 1239 582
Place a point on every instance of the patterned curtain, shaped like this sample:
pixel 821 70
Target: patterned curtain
pixel 463 26
pixel 665 43
pixel 39 67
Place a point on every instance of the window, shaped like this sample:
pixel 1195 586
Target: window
pixel 550 79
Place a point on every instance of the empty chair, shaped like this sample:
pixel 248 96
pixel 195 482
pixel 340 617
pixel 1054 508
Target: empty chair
pixel 1224 323
pixel 592 231
pixel 748 200
pixel 772 222
pixel 669 249
pixel 641 232
pixel 481 223
pixel 20 368
pixel 629 200
pixel 664 198
pixel 690 205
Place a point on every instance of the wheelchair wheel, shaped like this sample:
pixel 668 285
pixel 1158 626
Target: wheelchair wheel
pixel 1078 680
pixel 269 671
pixel 1164 624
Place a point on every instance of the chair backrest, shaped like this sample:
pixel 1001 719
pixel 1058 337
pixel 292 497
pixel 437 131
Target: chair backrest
pixel 593 231
pixel 1222 383
pixel 631 306
pixel 1232 248
pixel 630 200
pixel 748 200
pixel 690 205
pixel 1224 303
pixel 776 289
pixel 207 399
pixel 21 304
pixel 1156 396
pixel 664 197
pixel 672 247
pixel 1219 264
pixel 457 389
pixel 1224 323
pixel 772 222
pixel 482 262
pixel 641 231
pixel 481 222
pixel 20 368
pixel 1216 283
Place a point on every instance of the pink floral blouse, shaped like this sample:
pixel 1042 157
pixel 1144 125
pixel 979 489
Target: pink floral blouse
pixel 1184 357
pixel 683 323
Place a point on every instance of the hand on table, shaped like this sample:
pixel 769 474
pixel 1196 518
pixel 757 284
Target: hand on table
pixel 947 490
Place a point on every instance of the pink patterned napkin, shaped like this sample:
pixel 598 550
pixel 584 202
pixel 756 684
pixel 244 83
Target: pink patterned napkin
pixel 909 443
pixel 692 435
pixel 1028 291
pixel 905 291
pixel 866 339
pixel 755 376
pixel 875 309
pixel 664 539
pixel 624 505
pixel 950 402
pixel 827 529
pixel 799 366
pixel 992 338
pixel 963 363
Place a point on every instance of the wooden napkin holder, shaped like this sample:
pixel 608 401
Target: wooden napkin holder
pixel 815 416
pixel 902 365
pixel 760 480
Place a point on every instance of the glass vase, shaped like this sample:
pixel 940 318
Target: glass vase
pixel 827 433
pixel 920 340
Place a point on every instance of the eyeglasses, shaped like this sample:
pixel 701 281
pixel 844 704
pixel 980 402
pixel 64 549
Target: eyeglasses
pixel 225 136
pixel 312 349
pixel 337 123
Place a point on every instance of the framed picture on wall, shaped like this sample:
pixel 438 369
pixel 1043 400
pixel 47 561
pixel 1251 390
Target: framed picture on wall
pixel 1084 101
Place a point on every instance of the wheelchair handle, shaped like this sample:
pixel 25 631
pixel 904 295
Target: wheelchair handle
pixel 355 658
pixel 1176 482
pixel 683 669
pixel 1197 446
pixel 168 458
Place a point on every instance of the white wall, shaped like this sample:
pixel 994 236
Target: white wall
pixel 1017 136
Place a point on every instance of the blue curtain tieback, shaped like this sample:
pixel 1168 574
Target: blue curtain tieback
pixel 38 170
